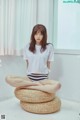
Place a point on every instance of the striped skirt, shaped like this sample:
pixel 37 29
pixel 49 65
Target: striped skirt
pixel 37 77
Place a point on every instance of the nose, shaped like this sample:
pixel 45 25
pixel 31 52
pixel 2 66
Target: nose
pixel 38 37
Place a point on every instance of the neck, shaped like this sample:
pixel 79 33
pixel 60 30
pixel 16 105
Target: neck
pixel 38 44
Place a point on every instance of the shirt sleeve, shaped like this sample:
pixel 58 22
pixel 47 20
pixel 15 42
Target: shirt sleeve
pixel 51 53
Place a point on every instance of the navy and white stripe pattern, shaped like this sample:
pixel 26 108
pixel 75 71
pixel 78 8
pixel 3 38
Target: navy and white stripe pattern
pixel 37 77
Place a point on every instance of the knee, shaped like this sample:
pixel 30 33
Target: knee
pixel 7 80
pixel 59 85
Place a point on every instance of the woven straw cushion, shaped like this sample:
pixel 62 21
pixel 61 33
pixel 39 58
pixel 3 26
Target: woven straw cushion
pixel 33 96
pixel 42 108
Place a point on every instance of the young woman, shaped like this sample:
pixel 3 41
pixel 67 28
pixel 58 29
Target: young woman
pixel 38 55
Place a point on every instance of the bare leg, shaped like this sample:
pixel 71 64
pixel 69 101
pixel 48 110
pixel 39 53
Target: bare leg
pixel 49 86
pixel 17 81
pixel 56 85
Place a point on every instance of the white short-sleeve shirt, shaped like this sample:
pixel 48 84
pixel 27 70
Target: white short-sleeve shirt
pixel 37 62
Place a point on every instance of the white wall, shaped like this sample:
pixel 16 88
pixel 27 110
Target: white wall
pixel 10 65
pixel 66 69
pixel 68 26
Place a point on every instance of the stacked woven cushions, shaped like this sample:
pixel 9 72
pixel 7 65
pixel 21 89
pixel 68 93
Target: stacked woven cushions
pixel 36 101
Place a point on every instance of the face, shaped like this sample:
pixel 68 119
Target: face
pixel 38 37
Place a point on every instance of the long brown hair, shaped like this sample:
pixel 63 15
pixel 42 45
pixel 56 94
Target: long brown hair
pixel 38 28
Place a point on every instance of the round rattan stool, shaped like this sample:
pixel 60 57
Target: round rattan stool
pixel 33 96
pixel 42 108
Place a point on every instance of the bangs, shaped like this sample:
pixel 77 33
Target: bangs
pixel 39 29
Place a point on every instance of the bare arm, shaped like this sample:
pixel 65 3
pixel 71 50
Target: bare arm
pixel 48 64
pixel 27 63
